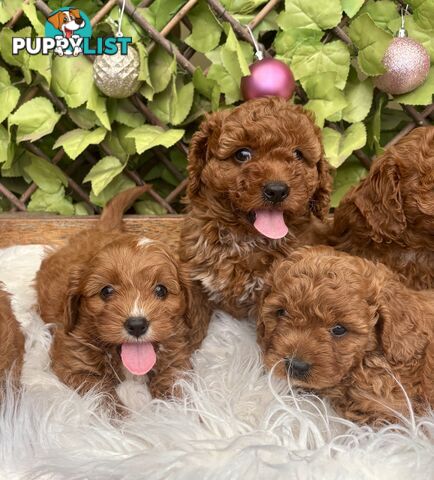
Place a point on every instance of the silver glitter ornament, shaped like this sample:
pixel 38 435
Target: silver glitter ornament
pixel 117 75
pixel 406 62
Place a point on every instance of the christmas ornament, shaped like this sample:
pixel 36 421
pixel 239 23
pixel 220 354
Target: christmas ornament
pixel 117 75
pixel 267 77
pixel 406 61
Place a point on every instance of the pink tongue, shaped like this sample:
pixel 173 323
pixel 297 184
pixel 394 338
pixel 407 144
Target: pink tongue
pixel 68 33
pixel 138 358
pixel 270 223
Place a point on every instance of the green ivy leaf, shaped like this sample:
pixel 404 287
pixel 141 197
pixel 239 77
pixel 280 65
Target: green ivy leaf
pixel 207 87
pixel 233 56
pixel 324 98
pixel 381 12
pixel 206 31
pixel 372 43
pixel 103 172
pixel 118 144
pixel 98 104
pixel 9 95
pixel 338 147
pixel 310 15
pixel 50 202
pixel 35 119
pixel 423 13
pixel 117 185
pixel 161 11
pixel 351 7
pixel 48 177
pixel 76 141
pixel 8 8
pixel 22 59
pixel 144 74
pixel 41 64
pixel 72 79
pixel 423 95
pixel 149 207
pixel 31 13
pixel 174 104
pixel 228 85
pixel 242 6
pixel 287 42
pixel 358 95
pixel 83 117
pixel 309 60
pixel 149 136
pixel 7 147
pixel 161 68
pixel 374 125
pixel 349 174
pixel 123 111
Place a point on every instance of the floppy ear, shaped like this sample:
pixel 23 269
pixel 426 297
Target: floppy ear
pixel 72 302
pixel 319 204
pixel 199 150
pixel 379 200
pixel 75 12
pixel 399 312
pixel 56 20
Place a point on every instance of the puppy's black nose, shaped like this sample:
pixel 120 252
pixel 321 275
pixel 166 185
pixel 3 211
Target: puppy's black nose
pixel 297 368
pixel 79 21
pixel 275 192
pixel 136 326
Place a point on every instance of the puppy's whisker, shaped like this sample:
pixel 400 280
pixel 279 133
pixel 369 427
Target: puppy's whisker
pixel 83 342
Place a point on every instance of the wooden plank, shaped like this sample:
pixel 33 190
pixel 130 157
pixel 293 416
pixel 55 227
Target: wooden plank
pixel 26 229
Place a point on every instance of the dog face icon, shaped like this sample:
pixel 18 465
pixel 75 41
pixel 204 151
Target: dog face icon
pixel 67 21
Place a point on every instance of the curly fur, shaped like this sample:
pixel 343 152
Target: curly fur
pixel 226 256
pixel 389 343
pixel 90 330
pixel 11 339
pixel 389 216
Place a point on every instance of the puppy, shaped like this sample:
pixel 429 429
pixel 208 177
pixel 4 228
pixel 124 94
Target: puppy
pixel 389 216
pixel 348 329
pixel 258 187
pixel 68 22
pixel 11 340
pixel 120 304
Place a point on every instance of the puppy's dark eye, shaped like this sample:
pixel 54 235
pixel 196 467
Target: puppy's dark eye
pixel 106 292
pixel 65 20
pixel 280 312
pixel 338 331
pixel 160 291
pixel 243 155
pixel 298 155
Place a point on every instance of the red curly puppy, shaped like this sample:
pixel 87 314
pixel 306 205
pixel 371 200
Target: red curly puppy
pixel 120 302
pixel 348 329
pixel 258 187
pixel 11 339
pixel 389 216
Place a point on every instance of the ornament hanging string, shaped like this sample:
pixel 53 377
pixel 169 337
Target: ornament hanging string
pixel 258 53
pixel 121 16
pixel 402 32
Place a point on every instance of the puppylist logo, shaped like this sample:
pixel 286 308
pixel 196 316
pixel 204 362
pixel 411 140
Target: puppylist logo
pixel 68 31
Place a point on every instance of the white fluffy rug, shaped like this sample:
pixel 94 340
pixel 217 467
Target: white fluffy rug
pixel 235 422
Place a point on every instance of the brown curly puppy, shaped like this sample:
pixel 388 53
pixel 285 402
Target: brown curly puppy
pixel 11 339
pixel 258 187
pixel 121 302
pixel 348 329
pixel 389 216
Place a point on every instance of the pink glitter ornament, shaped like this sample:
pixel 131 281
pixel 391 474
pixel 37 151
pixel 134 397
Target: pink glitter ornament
pixel 407 63
pixel 267 77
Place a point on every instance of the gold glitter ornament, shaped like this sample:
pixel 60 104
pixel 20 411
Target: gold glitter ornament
pixel 117 75
pixel 406 61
